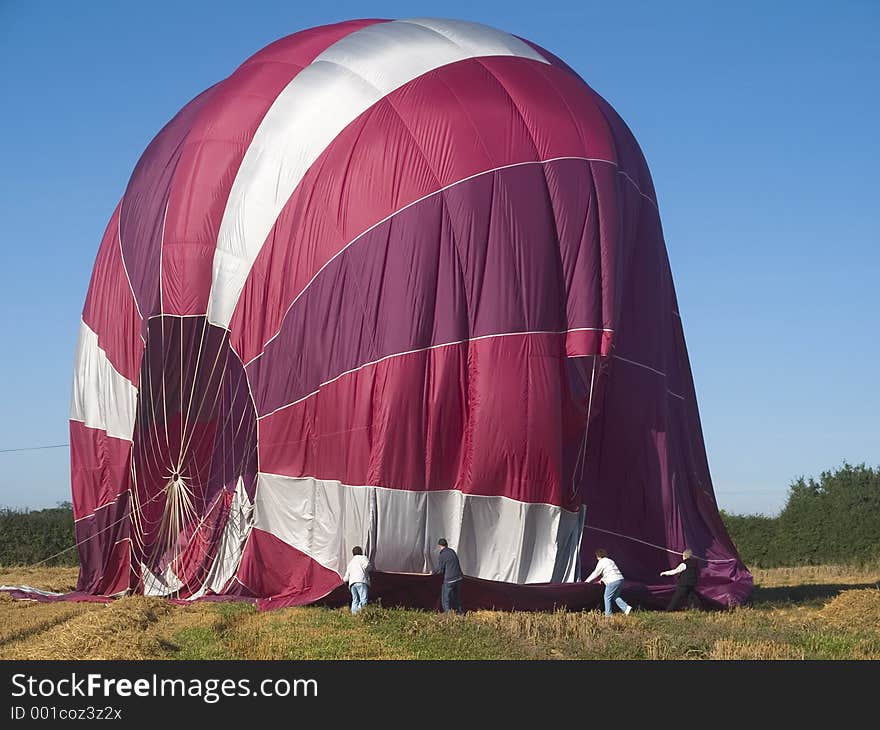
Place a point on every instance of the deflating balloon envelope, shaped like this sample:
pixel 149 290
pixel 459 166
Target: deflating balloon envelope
pixel 390 281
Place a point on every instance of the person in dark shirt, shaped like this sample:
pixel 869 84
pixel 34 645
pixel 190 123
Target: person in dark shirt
pixel 686 573
pixel 449 567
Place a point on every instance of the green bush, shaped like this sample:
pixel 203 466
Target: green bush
pixel 754 537
pixel 28 537
pixel 833 520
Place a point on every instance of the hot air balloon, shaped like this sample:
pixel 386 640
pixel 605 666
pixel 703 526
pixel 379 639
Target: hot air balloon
pixel 390 281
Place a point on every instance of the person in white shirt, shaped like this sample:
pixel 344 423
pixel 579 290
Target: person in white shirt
pixel 357 575
pixel 609 574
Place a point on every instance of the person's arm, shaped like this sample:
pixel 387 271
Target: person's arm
pixel 595 574
pixel 674 571
pixel 345 577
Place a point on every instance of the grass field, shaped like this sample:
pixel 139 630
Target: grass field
pixel 827 612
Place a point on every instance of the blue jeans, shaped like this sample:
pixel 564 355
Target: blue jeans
pixel 358 596
pixel 612 593
pixel 450 597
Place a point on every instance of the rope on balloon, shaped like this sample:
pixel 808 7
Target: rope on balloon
pixel 90 537
pixel 180 510
pixel 582 453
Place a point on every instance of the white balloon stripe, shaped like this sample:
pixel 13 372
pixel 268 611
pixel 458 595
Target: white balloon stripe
pixel 102 398
pixel 340 84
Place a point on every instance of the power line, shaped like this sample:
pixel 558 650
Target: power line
pixel 34 448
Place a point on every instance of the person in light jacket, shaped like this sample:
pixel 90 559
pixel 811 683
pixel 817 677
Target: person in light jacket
pixel 609 574
pixel 357 575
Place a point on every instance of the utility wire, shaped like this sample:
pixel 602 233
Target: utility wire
pixel 34 448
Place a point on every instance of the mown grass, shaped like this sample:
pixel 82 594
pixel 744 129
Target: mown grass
pixel 323 633
pixel 830 612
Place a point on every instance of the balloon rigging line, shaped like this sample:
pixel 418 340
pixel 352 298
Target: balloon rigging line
pixel 226 421
pixel 195 532
pixel 155 450
pixel 653 545
pixel 90 537
pixel 180 389
pixel 582 453
pixel 164 397
pixel 154 411
pixel 219 391
pixel 193 388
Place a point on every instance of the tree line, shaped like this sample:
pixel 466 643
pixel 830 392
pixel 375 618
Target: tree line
pixel 31 536
pixel 832 520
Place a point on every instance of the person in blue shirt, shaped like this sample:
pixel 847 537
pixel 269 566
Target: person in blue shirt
pixel 449 567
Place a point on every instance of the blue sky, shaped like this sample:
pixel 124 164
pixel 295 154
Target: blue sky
pixel 758 122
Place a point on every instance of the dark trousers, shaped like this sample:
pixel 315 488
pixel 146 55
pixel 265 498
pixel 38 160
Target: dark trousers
pixel 450 597
pixel 683 594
